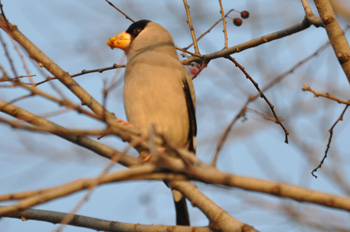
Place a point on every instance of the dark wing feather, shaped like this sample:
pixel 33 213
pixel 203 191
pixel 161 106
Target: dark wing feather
pixel 191 116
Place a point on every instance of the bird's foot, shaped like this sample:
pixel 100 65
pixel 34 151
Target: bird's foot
pixel 146 158
pixel 125 123
pixel 161 149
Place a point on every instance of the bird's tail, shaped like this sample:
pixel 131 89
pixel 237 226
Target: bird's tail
pixel 182 217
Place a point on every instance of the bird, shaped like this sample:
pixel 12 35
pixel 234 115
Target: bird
pixel 158 91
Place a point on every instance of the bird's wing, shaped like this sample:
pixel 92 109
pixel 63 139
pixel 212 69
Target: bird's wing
pixel 191 116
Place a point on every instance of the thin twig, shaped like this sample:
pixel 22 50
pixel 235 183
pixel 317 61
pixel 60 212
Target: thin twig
pixel 126 16
pixel 115 80
pixel 61 131
pixel 20 98
pixel 340 101
pixel 25 66
pixel 294 67
pixel 52 84
pixel 240 114
pixel 64 102
pixel 98 180
pixel 184 50
pixel 329 142
pixel 252 43
pixel 224 23
pixel 84 71
pixel 310 16
pixel 307 7
pixel 77 185
pixel 207 31
pixel 81 140
pixel 189 21
pixel 54 113
pixel 100 70
pixel 263 115
pixel 7 54
pixel 107 89
pixel 36 54
pixel 96 224
pixel 325 95
pixel 262 95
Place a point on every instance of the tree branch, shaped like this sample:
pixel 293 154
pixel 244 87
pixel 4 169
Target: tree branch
pixel 98 224
pixel 340 118
pixel 219 219
pixel 36 54
pixel 335 34
pixel 207 31
pixel 224 23
pixel 262 95
pixel 83 72
pixel 126 16
pixel 197 171
pixel 251 43
pixel 324 95
pixel 84 141
pixel 189 21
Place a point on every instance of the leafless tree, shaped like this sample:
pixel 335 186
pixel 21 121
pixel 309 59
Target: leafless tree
pixel 255 111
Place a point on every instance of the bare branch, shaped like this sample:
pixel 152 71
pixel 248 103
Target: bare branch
pixel 294 67
pixel 68 104
pixel 329 141
pixel 83 72
pixel 36 54
pixel 262 95
pixel 46 195
pixel 224 23
pixel 98 224
pixel 220 220
pixel 198 171
pixel 9 58
pixel 84 141
pixel 335 34
pixel 251 43
pixel 207 31
pixel 240 114
pixel 340 118
pixel 309 15
pixel 325 95
pixel 184 50
pixel 97 182
pixel 209 174
pixel 189 21
pixel 307 7
pixel 126 16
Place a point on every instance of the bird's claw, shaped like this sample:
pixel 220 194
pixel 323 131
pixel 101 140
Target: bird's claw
pixel 125 123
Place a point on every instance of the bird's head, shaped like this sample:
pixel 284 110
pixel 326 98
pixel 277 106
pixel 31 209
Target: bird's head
pixel 141 36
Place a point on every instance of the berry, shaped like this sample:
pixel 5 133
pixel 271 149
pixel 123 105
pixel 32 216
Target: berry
pixel 194 70
pixel 237 21
pixel 244 14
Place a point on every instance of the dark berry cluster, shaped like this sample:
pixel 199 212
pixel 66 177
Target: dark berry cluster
pixel 238 21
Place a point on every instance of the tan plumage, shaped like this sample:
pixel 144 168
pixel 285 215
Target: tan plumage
pixel 158 90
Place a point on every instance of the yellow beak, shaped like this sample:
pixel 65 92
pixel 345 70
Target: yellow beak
pixel 121 41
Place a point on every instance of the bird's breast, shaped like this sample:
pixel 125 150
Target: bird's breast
pixel 153 96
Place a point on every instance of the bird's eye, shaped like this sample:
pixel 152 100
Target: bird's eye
pixel 137 31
